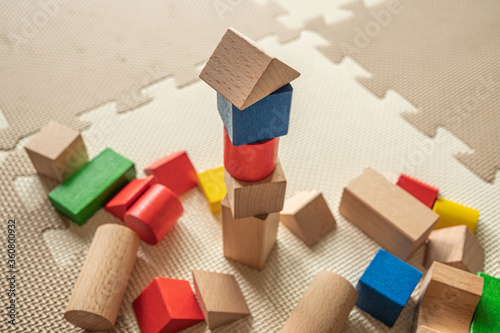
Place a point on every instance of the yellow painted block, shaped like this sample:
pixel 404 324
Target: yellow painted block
pixel 211 183
pixel 453 214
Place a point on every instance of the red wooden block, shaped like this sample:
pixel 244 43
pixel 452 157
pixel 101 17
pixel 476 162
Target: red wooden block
pixel 119 205
pixel 154 214
pixel 167 305
pixel 423 192
pixel 251 162
pixel 175 172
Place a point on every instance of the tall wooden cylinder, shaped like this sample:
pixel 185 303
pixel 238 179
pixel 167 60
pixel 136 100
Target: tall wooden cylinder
pixel 99 290
pixel 324 307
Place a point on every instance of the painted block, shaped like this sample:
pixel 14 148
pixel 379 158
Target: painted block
pixel 57 151
pixel 84 193
pixel 395 219
pixel 386 286
pixel 211 183
pixel 487 315
pixel 266 119
pixel 121 202
pixel 174 171
pixel 423 192
pixel 452 214
pixel 167 306
pixel 256 198
pixel 243 73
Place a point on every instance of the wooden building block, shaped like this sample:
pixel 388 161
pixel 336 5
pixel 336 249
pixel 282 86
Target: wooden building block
pixel 455 246
pixel 424 329
pixel 256 198
pixel 450 296
pixel 220 298
pixel 211 183
pixel 487 315
pixel 324 306
pixel 251 162
pixel 307 216
pixel 266 119
pixel 99 290
pixel 174 171
pixel 167 306
pixel 154 214
pixel 386 286
pixel 243 73
pixel 452 214
pixel 387 213
pixel 423 192
pixel 84 193
pixel 57 151
pixel 248 240
pixel 121 202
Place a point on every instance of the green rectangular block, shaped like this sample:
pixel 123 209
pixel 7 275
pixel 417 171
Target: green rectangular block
pixel 487 315
pixel 91 187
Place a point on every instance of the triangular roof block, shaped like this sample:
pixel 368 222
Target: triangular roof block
pixel 243 73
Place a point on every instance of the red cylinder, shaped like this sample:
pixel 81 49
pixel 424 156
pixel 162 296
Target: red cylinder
pixel 252 162
pixel 154 213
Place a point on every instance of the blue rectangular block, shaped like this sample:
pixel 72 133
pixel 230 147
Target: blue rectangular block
pixel 266 119
pixel 386 286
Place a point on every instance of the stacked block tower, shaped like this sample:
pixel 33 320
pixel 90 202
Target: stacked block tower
pixel 254 98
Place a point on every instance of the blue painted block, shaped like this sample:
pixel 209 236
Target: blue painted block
pixel 266 119
pixel 386 286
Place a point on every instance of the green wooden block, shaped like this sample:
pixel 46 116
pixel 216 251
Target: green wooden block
pixel 487 315
pixel 84 193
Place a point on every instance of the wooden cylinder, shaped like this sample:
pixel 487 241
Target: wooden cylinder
pixel 99 290
pixel 324 306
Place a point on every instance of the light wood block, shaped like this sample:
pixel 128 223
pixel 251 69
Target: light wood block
pixel 248 240
pixel 57 151
pixel 256 198
pixel 388 214
pixel 307 216
pixel 324 306
pixel 452 214
pixel 243 73
pixel 424 329
pixel 455 246
pixel 211 183
pixel 220 298
pixel 99 290
pixel 449 299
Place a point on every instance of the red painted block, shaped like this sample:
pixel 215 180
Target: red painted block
pixel 154 214
pixel 175 172
pixel 119 205
pixel 251 162
pixel 167 306
pixel 423 192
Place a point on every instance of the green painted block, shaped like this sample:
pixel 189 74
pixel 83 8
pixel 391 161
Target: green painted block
pixel 487 315
pixel 91 187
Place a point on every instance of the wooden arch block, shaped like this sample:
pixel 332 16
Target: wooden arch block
pixel 423 192
pixel 487 314
pixel 211 183
pixel 121 202
pixel 243 73
pixel 452 214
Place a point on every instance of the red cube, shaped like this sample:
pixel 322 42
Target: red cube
pixel 423 192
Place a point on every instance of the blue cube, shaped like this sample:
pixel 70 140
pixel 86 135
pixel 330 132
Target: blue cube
pixel 386 286
pixel 266 119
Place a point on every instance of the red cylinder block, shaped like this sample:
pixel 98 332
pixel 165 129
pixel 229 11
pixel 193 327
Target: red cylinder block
pixel 154 214
pixel 252 162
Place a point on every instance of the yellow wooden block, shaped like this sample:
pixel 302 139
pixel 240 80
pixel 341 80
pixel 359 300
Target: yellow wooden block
pixel 211 183
pixel 453 214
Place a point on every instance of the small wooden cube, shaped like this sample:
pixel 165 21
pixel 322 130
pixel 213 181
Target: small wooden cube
pixel 455 246
pixel 424 329
pixel 256 198
pixel 121 202
pixel 220 298
pixel 452 214
pixel 211 183
pixel 384 211
pixel 57 151
pixel 487 314
pixel 307 216
pixel 423 192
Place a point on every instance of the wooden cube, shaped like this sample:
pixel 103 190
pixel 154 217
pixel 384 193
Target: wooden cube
pixel 423 192
pixel 57 151
pixel 384 211
pixel 248 240
pixel 307 216
pixel 256 198
pixel 211 183
pixel 452 214
pixel 455 246
pixel 450 296
pixel 121 202
pixel 487 314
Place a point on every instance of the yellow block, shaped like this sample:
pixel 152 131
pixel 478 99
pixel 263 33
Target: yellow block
pixel 211 183
pixel 453 214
